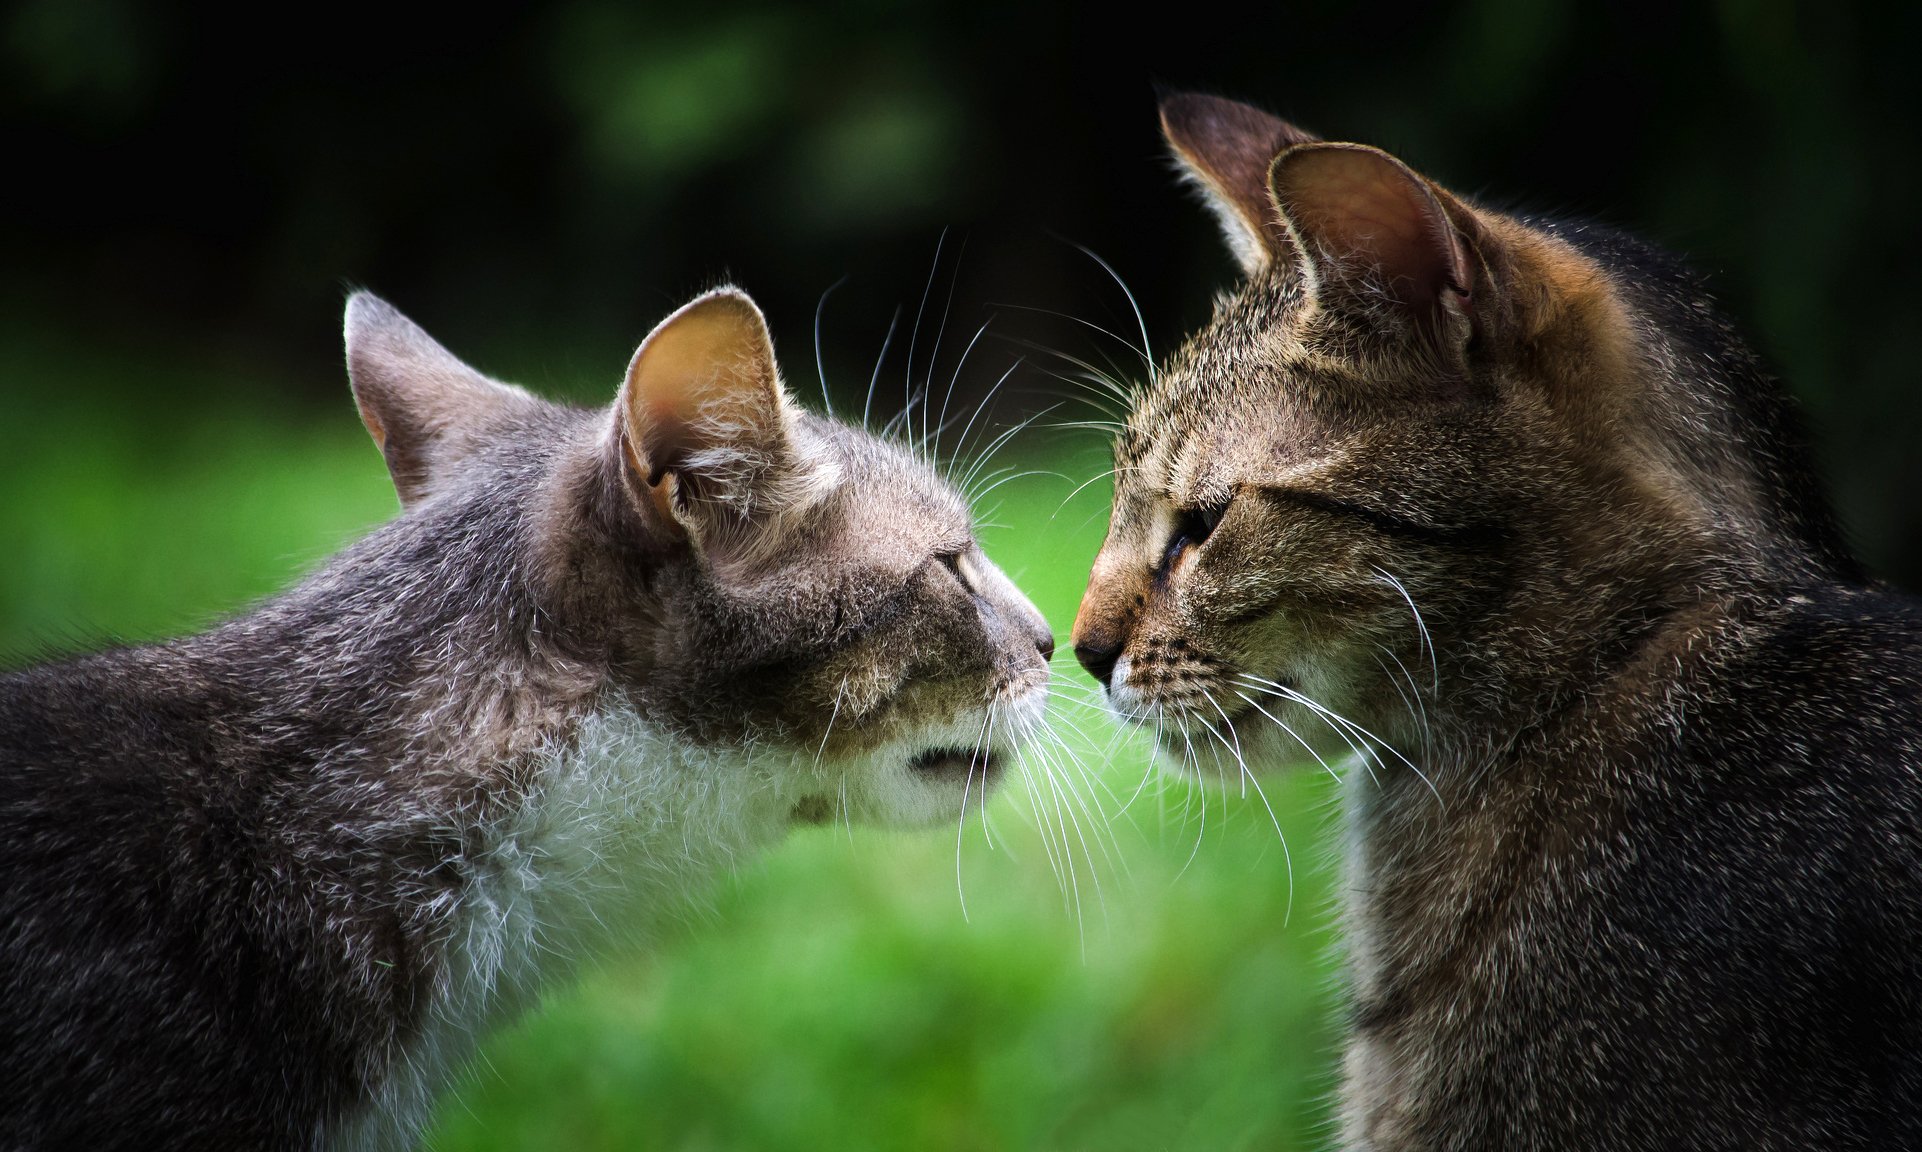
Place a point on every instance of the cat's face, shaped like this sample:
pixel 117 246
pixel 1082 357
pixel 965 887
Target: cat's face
pixel 1273 508
pixel 1372 492
pixel 872 637
pixel 800 599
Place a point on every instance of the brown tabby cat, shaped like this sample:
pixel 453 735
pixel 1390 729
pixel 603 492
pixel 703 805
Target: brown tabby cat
pixel 1505 505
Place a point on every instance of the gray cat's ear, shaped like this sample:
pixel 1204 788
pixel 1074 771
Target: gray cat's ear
pixel 1226 148
pixel 705 428
pixel 424 408
pixel 1366 225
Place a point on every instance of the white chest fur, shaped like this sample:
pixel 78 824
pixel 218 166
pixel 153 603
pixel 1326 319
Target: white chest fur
pixel 620 832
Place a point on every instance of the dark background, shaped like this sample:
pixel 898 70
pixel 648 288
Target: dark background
pixel 192 185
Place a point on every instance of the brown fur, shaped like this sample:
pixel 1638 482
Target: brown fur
pixel 1536 535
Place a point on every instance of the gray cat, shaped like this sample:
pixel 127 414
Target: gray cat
pixel 1505 504
pixel 265 887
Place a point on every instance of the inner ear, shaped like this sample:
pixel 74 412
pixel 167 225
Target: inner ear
pixel 1226 147
pixel 702 407
pixel 1365 221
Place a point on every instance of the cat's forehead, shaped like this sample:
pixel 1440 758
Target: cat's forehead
pixel 887 490
pixel 1244 384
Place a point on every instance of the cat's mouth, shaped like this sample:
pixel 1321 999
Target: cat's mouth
pixel 954 763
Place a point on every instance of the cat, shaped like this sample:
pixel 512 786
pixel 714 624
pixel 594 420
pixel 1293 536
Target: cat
pixel 1500 511
pixel 266 886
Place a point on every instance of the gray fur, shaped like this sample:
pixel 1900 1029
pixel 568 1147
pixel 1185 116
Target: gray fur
pixel 266 886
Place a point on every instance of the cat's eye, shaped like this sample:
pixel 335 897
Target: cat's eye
pixel 952 562
pixel 1192 528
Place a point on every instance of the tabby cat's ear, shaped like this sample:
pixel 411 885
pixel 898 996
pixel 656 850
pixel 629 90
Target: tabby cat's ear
pixel 704 427
pixel 1368 228
pixel 1226 148
pixel 425 409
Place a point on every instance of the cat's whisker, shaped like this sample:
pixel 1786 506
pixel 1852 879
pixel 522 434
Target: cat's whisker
pixel 1106 427
pixel 1247 779
pixel 987 398
pixel 934 357
pixel 994 446
pixel 1084 394
pixel 901 420
pixel 1337 719
pixel 1411 699
pixel 1038 820
pixel 1011 478
pixel 839 693
pixel 1093 781
pixel 986 742
pixel 941 422
pixel 1362 753
pixel 874 378
pixel 920 314
pixel 1150 772
pixel 967 787
pixel 1101 382
pixel 935 354
pixel 1081 487
pixel 1189 756
pixel 1146 350
pixel 1296 736
pixel 1072 318
pixel 820 366
pixel 1428 642
pixel 1061 756
pixel 1064 813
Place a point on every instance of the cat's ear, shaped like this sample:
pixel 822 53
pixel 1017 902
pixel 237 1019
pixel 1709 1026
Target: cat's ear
pixel 706 432
pixel 425 409
pixel 1226 148
pixel 1368 228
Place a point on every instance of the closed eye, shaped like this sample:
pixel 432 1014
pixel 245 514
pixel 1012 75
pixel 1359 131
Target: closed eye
pixel 952 562
pixel 1192 528
pixel 1471 535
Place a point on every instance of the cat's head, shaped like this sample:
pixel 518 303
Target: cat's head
pixel 802 599
pixel 1427 463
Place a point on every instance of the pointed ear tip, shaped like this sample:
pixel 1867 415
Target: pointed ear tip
pixel 366 316
pixel 1177 109
pixel 727 303
pixel 727 296
pixel 363 305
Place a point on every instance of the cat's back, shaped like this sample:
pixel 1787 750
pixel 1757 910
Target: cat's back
pixel 112 807
pixel 168 965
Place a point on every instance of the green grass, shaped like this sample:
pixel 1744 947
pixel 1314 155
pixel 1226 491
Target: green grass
pixel 1172 992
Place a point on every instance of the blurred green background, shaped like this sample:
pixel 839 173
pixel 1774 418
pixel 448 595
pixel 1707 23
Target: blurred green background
pixel 191 191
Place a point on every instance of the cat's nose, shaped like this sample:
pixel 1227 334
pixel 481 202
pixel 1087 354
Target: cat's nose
pixel 1098 657
pixel 1044 644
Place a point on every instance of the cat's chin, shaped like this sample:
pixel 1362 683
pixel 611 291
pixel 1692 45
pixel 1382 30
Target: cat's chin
pixel 942 769
pixel 932 777
pixel 954 763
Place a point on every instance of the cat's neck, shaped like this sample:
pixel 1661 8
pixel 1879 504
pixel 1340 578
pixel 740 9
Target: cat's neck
pixel 622 830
